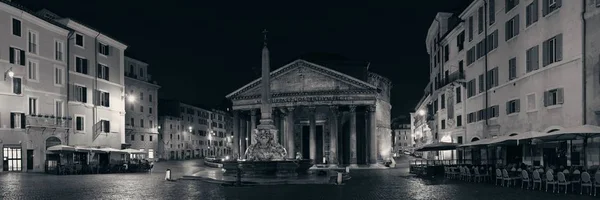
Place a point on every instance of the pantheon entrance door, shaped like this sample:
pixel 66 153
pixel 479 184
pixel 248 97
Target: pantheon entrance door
pixel 12 160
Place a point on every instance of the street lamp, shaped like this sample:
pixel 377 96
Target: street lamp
pixel 130 98
pixel 246 142
pixel 190 129
pixel 9 73
pixel 422 112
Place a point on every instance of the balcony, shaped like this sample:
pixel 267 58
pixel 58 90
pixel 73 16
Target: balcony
pixel 456 76
pixel 47 121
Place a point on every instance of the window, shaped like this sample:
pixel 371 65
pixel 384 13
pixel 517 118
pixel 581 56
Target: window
pixel 480 20
pixel 470 28
pixel 531 13
pixel 132 121
pixel 435 107
pixel 150 110
pixel 81 65
pixel 510 4
pixel 32 42
pixel 470 56
pixel 17 86
pixel 481 83
pixel 58 108
pixel 493 112
pixel 58 76
pixel 141 72
pixel 446 53
pixel 533 59
pixel 150 97
pixel 512 28
pixel 531 104
pixel 79 94
pixel 141 96
pixel 552 50
pixel 12 159
pixel 550 6
pixel 103 71
pixel 142 137
pixel 553 97
pixel 471 118
pixel 481 50
pixel 32 70
pixel 132 137
pixel 512 68
pixel 79 40
pixel 459 121
pixel 103 49
pixel 102 98
pixel 17 120
pixel 513 106
pixel 492 78
pixel 150 124
pixel 471 88
pixel 33 106
pixel 597 3
pixel 460 41
pixel 59 50
pixel 17 56
pixel 141 108
pixel 443 124
pixel 16 27
pixel 79 123
pixel 492 11
pixel 142 123
pixel 150 137
pixel 492 41
pixel 443 101
pixel 458 95
pixel 105 126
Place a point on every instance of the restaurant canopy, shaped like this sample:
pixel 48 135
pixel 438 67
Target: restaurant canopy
pixel 61 147
pixel 133 151
pixel 515 138
pixel 573 133
pixel 442 146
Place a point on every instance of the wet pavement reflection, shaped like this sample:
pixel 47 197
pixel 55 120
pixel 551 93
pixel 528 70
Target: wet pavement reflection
pixel 365 184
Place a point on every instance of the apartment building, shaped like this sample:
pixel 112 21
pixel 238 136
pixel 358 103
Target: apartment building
pixel 403 138
pixel 188 131
pixel 141 107
pixel 520 65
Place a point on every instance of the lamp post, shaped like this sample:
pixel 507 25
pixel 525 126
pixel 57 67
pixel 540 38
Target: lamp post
pixel 9 73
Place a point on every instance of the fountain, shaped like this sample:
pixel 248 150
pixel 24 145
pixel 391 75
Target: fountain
pixel 266 157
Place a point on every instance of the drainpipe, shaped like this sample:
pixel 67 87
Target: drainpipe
pixel 67 79
pixel 95 108
pixel 485 73
pixel 583 68
pixel 437 84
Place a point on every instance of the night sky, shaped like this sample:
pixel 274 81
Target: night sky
pixel 200 51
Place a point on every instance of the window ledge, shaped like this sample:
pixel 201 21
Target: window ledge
pixel 554 106
pixel 530 111
pixel 552 13
pixel 513 114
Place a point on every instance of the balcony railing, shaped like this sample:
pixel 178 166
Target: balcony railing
pixel 455 76
pixel 45 121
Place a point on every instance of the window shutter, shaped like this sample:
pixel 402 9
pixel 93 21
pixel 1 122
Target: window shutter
pixel 496 76
pixel 545 98
pixel 508 107
pixel 558 3
pixel 23 120
pixel 506 31
pixel 12 120
pixel 536 57
pixel 107 71
pixel 545 53
pixel 12 55
pixel 99 71
pixel 107 99
pixel 516 25
pixel 560 96
pixel 518 105
pixel 544 7
pixel 84 94
pixel 22 56
pixel 96 97
pixel 536 11
pixel 559 47
pixel 84 64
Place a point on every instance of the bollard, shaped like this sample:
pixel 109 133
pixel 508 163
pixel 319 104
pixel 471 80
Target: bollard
pixel 168 175
pixel 347 169
pixel 339 178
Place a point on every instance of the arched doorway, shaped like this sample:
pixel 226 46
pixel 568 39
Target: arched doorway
pixel 52 141
pixel 513 134
pixel 475 139
pixel 552 130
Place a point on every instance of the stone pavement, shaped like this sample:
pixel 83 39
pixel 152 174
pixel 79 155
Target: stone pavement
pixel 365 185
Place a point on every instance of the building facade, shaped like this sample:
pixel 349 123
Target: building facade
pixel 403 139
pixel 334 112
pixel 523 66
pixel 141 108
pixel 187 131
pixel 53 98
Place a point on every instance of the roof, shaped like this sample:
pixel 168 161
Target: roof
pixel 340 63
pixel 34 13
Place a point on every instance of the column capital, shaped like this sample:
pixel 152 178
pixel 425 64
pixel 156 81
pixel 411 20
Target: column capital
pixel 371 108
pixel 352 108
pixel 334 109
pixel 312 109
pixel 283 110
pixel 290 108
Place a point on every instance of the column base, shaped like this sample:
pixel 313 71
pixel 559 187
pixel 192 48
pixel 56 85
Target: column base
pixel 353 165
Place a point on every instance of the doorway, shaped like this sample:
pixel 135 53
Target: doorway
pixel 29 159
pixel 320 145
pixel 306 142
pixel 11 160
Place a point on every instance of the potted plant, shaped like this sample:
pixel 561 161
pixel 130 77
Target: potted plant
pixel 32 114
pixel 40 115
pixel 52 116
pixel 69 118
pixel 64 118
pixel 46 116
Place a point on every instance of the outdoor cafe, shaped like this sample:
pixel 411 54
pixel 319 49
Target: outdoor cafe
pixel 67 160
pixel 566 159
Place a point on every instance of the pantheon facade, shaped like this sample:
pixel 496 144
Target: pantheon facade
pixel 334 112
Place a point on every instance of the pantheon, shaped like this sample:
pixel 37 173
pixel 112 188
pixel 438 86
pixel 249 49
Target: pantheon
pixel 326 108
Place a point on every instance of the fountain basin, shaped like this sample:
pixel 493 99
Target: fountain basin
pixel 278 168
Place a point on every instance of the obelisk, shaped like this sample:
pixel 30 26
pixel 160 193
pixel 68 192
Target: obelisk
pixel 265 108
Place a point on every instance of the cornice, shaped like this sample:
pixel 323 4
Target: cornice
pixel 380 78
pixel 141 82
pixel 311 93
pixel 303 63
pixel 93 33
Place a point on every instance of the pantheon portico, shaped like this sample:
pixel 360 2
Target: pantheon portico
pixel 322 113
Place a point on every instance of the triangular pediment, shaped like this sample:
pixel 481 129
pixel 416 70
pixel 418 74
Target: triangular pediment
pixel 304 76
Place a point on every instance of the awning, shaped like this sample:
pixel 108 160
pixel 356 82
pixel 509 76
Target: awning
pixel 112 150
pixel 482 142
pixel 573 133
pixel 516 138
pixel 133 151
pixel 61 147
pixel 88 149
pixel 442 146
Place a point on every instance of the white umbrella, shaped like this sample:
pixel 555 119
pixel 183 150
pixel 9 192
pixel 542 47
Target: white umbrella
pixel 516 138
pixel 112 150
pixel 133 151
pixel 61 147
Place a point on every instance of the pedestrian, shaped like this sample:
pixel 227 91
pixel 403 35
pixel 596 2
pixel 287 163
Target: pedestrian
pixel 151 166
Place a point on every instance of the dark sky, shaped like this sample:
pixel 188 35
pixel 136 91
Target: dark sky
pixel 200 51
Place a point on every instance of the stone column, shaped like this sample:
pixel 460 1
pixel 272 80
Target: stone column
pixel 284 127
pixel 313 133
pixel 236 134
pixel 243 134
pixel 333 136
pixel 252 125
pixel 291 145
pixel 275 117
pixel 353 135
pixel 372 135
